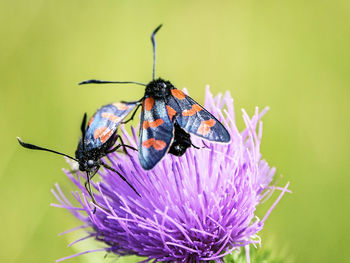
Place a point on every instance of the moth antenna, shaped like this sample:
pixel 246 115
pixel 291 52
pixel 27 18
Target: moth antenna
pixel 96 81
pixel 35 147
pixel 154 49
pixel 83 130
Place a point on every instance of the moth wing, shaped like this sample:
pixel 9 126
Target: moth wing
pixel 156 132
pixel 104 123
pixel 195 119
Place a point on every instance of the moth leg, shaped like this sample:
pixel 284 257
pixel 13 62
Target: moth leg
pixel 133 114
pixel 120 175
pixel 88 189
pixel 194 146
pixel 205 145
pixel 122 144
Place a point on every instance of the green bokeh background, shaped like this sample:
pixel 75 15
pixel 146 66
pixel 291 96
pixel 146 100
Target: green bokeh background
pixel 290 55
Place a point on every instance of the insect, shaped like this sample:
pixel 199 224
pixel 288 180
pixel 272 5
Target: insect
pixel 164 106
pixel 181 142
pixel 97 140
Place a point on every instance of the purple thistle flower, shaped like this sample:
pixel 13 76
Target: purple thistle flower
pixel 194 208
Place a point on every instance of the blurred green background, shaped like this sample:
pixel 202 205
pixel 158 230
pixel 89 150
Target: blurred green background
pixel 290 55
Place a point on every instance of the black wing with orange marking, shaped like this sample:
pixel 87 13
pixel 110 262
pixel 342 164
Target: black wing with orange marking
pixel 195 119
pixel 105 122
pixel 156 132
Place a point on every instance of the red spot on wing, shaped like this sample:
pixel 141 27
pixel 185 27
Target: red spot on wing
pixel 98 132
pixel 152 124
pixel 204 128
pixel 178 94
pixel 121 106
pixel 106 135
pixel 111 117
pixel 115 118
pixel 90 121
pixel 157 144
pixel 171 112
pixel 148 103
pixel 195 108
pixel 106 114
pixel 103 133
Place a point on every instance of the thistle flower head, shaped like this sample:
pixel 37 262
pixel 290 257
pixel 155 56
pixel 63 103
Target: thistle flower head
pixel 195 208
